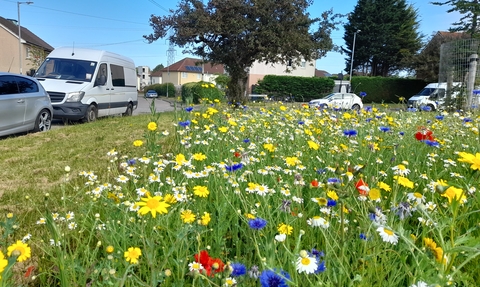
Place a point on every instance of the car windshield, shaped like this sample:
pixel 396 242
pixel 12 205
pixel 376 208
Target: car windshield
pixel 151 91
pixel 426 92
pixel 67 69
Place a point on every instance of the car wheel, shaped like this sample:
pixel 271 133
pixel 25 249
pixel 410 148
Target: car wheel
pixel 91 114
pixel 324 106
pixel 432 107
pixel 129 110
pixel 43 122
pixel 356 107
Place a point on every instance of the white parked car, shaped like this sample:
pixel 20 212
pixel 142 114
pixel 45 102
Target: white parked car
pixel 24 105
pixel 338 101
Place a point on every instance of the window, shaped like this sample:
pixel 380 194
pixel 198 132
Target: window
pixel 303 64
pixel 143 77
pixel 143 70
pixel 184 75
pixel 16 85
pixel 199 76
pixel 102 75
pixel 118 75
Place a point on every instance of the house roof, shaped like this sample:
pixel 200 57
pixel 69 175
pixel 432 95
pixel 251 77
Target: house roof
pixel 27 35
pixel 322 73
pixel 192 65
pixel 156 73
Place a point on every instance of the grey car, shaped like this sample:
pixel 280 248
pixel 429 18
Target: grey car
pixel 24 105
pixel 151 94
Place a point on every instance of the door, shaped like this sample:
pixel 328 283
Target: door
pixel 118 100
pixel 12 104
pixel 102 90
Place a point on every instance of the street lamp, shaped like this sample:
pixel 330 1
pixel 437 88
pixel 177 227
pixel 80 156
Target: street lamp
pixel 20 34
pixel 351 60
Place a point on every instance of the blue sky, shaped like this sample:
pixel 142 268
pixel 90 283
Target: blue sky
pixel 118 26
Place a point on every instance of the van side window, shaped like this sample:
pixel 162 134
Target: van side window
pixel 102 77
pixel 441 93
pixel 118 76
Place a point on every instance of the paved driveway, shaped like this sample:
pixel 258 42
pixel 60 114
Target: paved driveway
pixel 144 105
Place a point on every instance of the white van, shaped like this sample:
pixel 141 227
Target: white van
pixel 84 84
pixel 433 95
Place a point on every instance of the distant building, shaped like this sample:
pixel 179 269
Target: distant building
pixel 143 73
pixel 156 77
pixel 322 74
pixel 9 50
pixel 190 70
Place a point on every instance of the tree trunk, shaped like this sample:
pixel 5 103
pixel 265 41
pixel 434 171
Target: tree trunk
pixel 237 86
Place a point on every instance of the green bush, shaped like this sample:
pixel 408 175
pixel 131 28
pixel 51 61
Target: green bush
pixel 386 90
pixel 300 88
pixel 161 89
pixel 196 92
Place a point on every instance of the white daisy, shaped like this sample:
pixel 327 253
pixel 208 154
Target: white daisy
pixel 400 170
pixel 419 284
pixel 122 179
pixel 318 221
pixel 387 235
pixel 280 237
pixel 416 197
pixel 306 264
pixel 195 266
pixel 229 281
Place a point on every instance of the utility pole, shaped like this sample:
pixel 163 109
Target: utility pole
pixel 351 60
pixel 170 60
pixel 20 35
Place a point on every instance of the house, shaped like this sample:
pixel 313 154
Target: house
pixel 428 61
pixel 33 48
pixel 190 70
pixel 143 73
pixel 156 77
pixel 322 74
pixel 260 70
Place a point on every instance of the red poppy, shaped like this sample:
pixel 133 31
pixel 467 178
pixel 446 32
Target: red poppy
pixel 424 134
pixel 29 271
pixel 209 264
pixel 237 154
pixel 314 183
pixel 362 187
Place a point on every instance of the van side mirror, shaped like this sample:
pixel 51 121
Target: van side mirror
pixel 101 81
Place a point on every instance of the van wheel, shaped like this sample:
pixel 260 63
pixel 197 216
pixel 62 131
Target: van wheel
pixel 129 110
pixel 432 107
pixel 43 122
pixel 91 114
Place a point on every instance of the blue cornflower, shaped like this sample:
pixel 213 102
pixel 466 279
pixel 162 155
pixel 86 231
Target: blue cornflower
pixel 401 133
pixel 350 133
pixel 270 278
pixel 427 108
pixel 378 116
pixel 131 161
pixel 363 94
pixel 368 108
pixel 246 140
pixel 238 269
pixel 321 267
pixel 233 167
pixel 432 143
pixel 321 170
pixel 257 223
pixel 372 216
pixel 368 120
pixel 189 109
pixel 411 110
pixel 333 180
pixel 439 117
pixel 331 203
pixel 363 236
pixel 184 124
pixel 317 253
pixel 467 120
pixel 301 122
pixel 384 129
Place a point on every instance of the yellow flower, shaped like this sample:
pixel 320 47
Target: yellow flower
pixel 332 195
pixel 313 145
pixel 3 263
pixel 454 193
pixel 223 129
pixel 201 191
pixel 152 126
pixel 132 254
pixel 437 251
pixel 270 147
pixel 384 186
pixel 138 143
pixel 187 216
pixel 19 249
pixel 180 159
pixel 9 215
pixel 205 219
pixel 109 249
pixel 292 161
pixel 374 194
pixel 285 229
pixel 347 116
pixel 153 205
pixel 199 156
pixel 403 181
pixel 474 160
pixel 283 108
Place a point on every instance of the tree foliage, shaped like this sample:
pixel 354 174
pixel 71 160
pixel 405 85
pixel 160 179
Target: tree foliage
pixel 470 11
pixel 236 33
pixel 36 56
pixel 158 68
pixel 387 36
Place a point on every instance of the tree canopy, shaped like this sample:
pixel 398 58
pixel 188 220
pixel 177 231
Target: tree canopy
pixel 387 36
pixel 236 33
pixel 158 67
pixel 470 11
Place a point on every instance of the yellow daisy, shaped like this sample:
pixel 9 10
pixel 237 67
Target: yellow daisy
pixel 19 249
pixel 132 254
pixel 152 204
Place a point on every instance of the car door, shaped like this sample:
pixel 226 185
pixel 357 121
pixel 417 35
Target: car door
pixel 12 105
pixel 30 92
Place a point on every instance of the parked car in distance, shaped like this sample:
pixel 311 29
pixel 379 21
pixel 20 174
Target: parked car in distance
pixel 151 94
pixel 24 105
pixel 338 101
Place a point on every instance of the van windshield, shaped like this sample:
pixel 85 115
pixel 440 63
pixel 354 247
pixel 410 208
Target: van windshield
pixel 426 92
pixel 67 69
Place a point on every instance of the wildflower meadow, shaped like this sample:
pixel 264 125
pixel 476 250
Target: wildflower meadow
pixel 273 195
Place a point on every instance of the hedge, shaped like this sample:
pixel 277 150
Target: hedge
pixel 386 90
pixel 196 92
pixel 161 89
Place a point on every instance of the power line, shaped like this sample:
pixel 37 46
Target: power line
pixel 160 6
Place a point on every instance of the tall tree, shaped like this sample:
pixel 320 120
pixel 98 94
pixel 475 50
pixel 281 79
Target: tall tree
pixel 387 36
pixel 158 68
pixel 470 11
pixel 236 33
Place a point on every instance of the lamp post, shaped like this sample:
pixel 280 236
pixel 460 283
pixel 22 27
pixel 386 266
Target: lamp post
pixel 351 60
pixel 20 34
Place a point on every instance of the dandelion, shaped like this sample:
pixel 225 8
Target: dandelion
pixel 257 223
pixel 387 235
pixel 285 229
pixel 274 278
pixel 132 255
pixel 19 249
pixel 152 126
pixel 201 191
pixel 187 216
pixel 306 264
pixel 153 205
